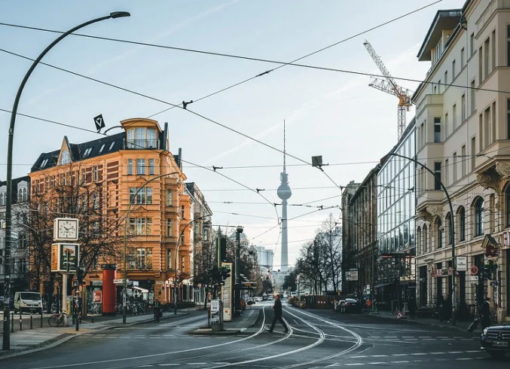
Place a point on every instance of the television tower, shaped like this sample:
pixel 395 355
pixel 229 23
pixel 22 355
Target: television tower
pixel 284 193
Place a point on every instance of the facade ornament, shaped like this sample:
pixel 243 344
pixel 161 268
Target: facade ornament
pixel 429 212
pixel 489 179
pixel 503 169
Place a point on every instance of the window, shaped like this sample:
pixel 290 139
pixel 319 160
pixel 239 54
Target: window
pixel 418 242
pixel 480 66
pixel 439 233
pixel 447 128
pixel 492 212
pixel 140 166
pixel 507 205
pixel 446 172
pixel 140 226
pixel 453 70
pixel 445 78
pixel 486 59
pixel 66 158
pixel 140 258
pixel 480 132
pixel 44 162
pixel 478 216
pixel 22 240
pixel 454 115
pixel 473 153
pixel 169 198
pixel 3 198
pixel 439 86
pixel 463 108
pixel 111 146
pixel 463 160
pixel 448 225
pixel 422 129
pixel 425 240
pixel 437 129
pixel 437 175
pixel 142 138
pixel 144 196
pixel 22 194
pixel 493 51
pixel 472 43
pixel 130 167
pixel 487 127
pixel 95 174
pixel 461 220
pixel 473 98
pixel 182 212
pixel 101 148
pixel 151 167
pixel 168 259
pixel 454 167
pixel 493 122
pixel 169 228
pixel 462 58
pixel 508 119
pixel 508 46
pixel 87 152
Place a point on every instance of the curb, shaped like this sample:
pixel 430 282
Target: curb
pixel 58 340
pixel 414 321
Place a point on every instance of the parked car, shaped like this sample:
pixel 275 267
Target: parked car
pixel 496 340
pixel 27 301
pixel 349 305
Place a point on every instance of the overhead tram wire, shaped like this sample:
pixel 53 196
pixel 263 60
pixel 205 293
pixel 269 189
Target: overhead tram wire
pixel 180 107
pixel 240 184
pixel 282 64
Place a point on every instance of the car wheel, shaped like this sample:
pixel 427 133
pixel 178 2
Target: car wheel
pixel 496 354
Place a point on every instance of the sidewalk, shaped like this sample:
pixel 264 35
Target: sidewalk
pixel 460 325
pixel 32 340
pixel 248 319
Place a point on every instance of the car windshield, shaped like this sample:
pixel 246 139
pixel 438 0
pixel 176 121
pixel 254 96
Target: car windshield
pixel 30 296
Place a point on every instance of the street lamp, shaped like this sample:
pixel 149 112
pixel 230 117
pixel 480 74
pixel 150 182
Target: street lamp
pixel 453 295
pixel 6 345
pixel 177 256
pixel 126 223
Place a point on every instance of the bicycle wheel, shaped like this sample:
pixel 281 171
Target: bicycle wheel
pixel 53 321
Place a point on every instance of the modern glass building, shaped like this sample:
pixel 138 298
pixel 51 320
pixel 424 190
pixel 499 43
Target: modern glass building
pixel 396 205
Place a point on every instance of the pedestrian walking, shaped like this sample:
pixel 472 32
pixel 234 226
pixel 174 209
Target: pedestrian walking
pixel 485 313
pixel 157 310
pixel 277 308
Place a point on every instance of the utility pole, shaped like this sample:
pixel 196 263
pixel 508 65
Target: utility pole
pixel 237 288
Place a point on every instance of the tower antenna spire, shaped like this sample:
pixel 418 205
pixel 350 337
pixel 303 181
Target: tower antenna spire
pixel 284 149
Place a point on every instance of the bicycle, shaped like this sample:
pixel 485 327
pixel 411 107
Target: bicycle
pixel 57 320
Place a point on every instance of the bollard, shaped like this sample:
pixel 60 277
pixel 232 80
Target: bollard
pixel 41 318
pixel 20 321
pixel 31 323
pixel 12 322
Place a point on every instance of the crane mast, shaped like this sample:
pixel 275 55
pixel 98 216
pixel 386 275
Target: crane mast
pixel 390 86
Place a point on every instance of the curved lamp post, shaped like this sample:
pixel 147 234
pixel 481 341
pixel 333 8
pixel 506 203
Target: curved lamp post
pixel 453 295
pixel 126 223
pixel 8 208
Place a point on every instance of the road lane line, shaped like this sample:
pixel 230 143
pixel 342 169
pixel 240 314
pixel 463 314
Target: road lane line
pixel 161 353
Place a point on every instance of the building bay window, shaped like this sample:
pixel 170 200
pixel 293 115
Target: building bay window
pixel 142 138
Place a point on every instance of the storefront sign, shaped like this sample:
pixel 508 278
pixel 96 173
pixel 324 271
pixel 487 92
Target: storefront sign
pixel 461 263
pixel 351 275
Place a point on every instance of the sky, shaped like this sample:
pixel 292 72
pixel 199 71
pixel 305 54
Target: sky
pixel 328 113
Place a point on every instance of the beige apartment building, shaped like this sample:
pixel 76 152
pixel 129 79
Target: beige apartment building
pixel 463 135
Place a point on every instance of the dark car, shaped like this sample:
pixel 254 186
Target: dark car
pixel 349 305
pixel 496 340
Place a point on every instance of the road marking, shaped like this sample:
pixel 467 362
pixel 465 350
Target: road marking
pixel 418 353
pixel 354 364
pixel 399 361
pixel 463 358
pixel 169 364
pixel 437 353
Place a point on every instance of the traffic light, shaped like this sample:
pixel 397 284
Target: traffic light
pixel 223 248
pixel 225 273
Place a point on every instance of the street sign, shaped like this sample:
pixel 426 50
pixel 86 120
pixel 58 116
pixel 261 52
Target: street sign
pixel 461 263
pixel 351 275
pixel 215 306
pixel 474 270
pixel 99 122
pixel 119 281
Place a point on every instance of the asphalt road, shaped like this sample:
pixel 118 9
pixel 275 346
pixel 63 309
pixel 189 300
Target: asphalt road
pixel 317 339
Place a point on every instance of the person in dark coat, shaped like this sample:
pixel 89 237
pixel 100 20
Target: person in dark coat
pixel 277 308
pixel 485 313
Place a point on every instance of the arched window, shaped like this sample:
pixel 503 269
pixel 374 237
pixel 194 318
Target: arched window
pixel 507 205
pixel 478 216
pixel 461 221
pixel 418 242
pixel 439 233
pixel 448 225
pixel 425 240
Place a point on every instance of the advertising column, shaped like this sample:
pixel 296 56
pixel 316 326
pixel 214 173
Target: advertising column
pixel 108 289
pixel 226 294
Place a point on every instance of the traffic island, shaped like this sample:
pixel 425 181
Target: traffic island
pixel 248 319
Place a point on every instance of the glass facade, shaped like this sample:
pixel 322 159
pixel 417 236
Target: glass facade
pixel 396 199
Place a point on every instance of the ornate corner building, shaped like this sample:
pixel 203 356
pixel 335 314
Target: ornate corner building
pixel 463 135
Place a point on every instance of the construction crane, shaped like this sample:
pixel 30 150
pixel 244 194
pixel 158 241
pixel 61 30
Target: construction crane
pixel 391 87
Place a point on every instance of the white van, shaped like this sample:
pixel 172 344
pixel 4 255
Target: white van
pixel 27 301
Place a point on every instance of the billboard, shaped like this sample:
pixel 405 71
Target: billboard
pixel 65 257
